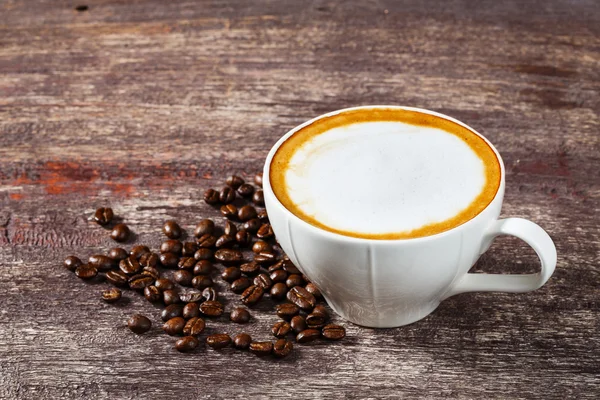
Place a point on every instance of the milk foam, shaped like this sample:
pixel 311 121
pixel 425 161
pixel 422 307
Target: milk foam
pixel 383 177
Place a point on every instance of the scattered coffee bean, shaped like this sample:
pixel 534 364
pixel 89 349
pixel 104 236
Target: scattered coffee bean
pixel 263 216
pixel 191 310
pixel 186 344
pixel 210 294
pixel 227 195
pixel 130 266
pixel 171 311
pixel 171 297
pixel 204 254
pixel 230 228
pixel 202 281
pixel 278 266
pixel 169 260
pixel 229 211
pixel 230 274
pixel 151 271
pixel 186 263
pixel 250 269
pixel 211 196
pixel 240 315
pixel 218 340
pixel 120 233
pixel 278 276
pixel 252 225
pixel 172 230
pixel 294 280
pixel 117 278
pixel 204 227
pixel 278 291
pixel 211 308
pixel 194 326
pixel 282 348
pixel 102 263
pixel 298 323
pixel 86 271
pixel 289 267
pixel 287 310
pixel 191 297
pixel 242 341
pixel 189 249
pixel 203 267
pixel 318 317
pixel 261 349
pixel 281 329
pixel 118 254
pixel 224 241
pixel 171 246
pixel 239 285
pixel 149 260
pixel 164 284
pixel 333 332
pixel 207 241
pixel 265 258
pixel 247 213
pixel 111 295
pixel 234 181
pixel 174 326
pixel 103 216
pixel 138 251
pixel 229 256
pixel 243 238
pixel 308 335
pixel 303 299
pixel 246 190
pixel 265 231
pixel 263 281
pixel 258 198
pixel 139 324
pixel 183 277
pixel 71 263
pixel 152 294
pixel 258 179
pixel 312 289
pixel 140 281
pixel 260 246
pixel 252 295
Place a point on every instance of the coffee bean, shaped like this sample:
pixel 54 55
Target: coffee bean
pixel 194 326
pixel 312 289
pixel 242 341
pixel 164 284
pixel 229 256
pixel 86 271
pixel 186 344
pixel 234 181
pixel 263 216
pixel 278 291
pixel 240 315
pixel 278 266
pixel 204 227
pixel 229 211
pixel 307 335
pixel 318 317
pixel 282 348
pixel 211 308
pixel 139 324
pixel 303 299
pixel 210 294
pixel 189 249
pixel 183 277
pixel 230 228
pixel 241 284
pixel 252 225
pixel 258 198
pixel 171 246
pixel 287 310
pixel 140 281
pixel 298 323
pixel 247 213
pixel 261 349
pixel 227 195
pixel 278 276
pixel 204 254
pixel 151 271
pixel 171 311
pixel 333 332
pixel 260 246
pixel 130 266
pixel 149 260
pixel 118 253
pixel 102 263
pixel 211 196
pixel 174 326
pixel 71 263
pixel 120 233
pixel 252 295
pixel 224 241
pixel 111 295
pixel 265 231
pixel 103 216
pixel 265 258
pixel 202 281
pixel 263 281
pixel 258 179
pixel 138 251
pixel 152 294
pixel 218 340
pixel 289 267
pixel 281 329
pixel 191 297
pixel 186 263
pixel 294 280
pixel 207 241
pixel 191 310
pixel 230 274
pixel 250 269
pixel 171 297
pixel 246 190
pixel 203 267
pixel 172 230
pixel 169 260
pixel 243 238
pixel 117 278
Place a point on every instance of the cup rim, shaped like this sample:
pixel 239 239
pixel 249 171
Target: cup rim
pixel 269 190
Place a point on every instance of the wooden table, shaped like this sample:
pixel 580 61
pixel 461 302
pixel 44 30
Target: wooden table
pixel 143 105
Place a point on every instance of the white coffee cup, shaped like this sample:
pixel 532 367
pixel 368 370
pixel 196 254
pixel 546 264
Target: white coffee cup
pixel 389 283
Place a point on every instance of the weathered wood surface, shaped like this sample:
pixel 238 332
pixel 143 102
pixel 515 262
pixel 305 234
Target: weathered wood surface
pixel 142 105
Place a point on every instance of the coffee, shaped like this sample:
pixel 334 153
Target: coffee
pixel 385 173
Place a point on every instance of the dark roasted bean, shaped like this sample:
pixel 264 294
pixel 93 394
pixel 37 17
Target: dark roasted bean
pixel 210 294
pixel 218 340
pixel 261 349
pixel 211 308
pixel 252 295
pixel 258 198
pixel 278 291
pixel 318 317
pixel 174 326
pixel 130 266
pixel 278 276
pixel 207 241
pixel 252 225
pixel 171 311
pixel 138 251
pixel 120 233
pixel 111 295
pixel 204 227
pixel 71 263
pixel 298 323
pixel 186 344
pixel 191 310
pixel 303 299
pixel 240 315
pixel 260 246
pixel 190 297
pixel 204 254
pixel 265 258
pixel 103 216
pixel 246 190
pixel 149 260
pixel 224 241
pixel 263 281
pixel 186 263
pixel 278 266
pixel 234 181
pixel 308 335
pixel 211 196
pixel 172 230
pixel 117 278
pixel 242 341
pixel 86 271
pixel 282 348
pixel 258 179
pixel 229 211
pixel 151 271
pixel 227 195
pixel 229 256
pixel 140 281
pixel 230 274
pixel 281 329
pixel 183 277
pixel 265 231
pixel 139 324
pixel 294 280
pixel 171 246
pixel 263 216
pixel 152 294
pixel 203 267
pixel 314 290
pixel 230 228
pixel 117 254
pixel 189 249
pixel 247 213
pixel 169 260
pixel 164 284
pixel 287 310
pixel 243 238
pixel 239 285
pixel 289 267
pixel 250 269
pixel 171 297
pixel 102 263
pixel 333 332
pixel 194 326
pixel 202 281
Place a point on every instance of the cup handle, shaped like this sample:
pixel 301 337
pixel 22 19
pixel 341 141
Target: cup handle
pixel 535 237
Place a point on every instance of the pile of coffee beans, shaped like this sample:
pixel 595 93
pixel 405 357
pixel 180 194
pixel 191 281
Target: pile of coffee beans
pixel 267 273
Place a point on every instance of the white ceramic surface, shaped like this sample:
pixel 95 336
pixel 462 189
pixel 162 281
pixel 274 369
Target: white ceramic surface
pixel 389 283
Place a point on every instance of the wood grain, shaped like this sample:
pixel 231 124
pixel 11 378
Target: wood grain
pixel 141 105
